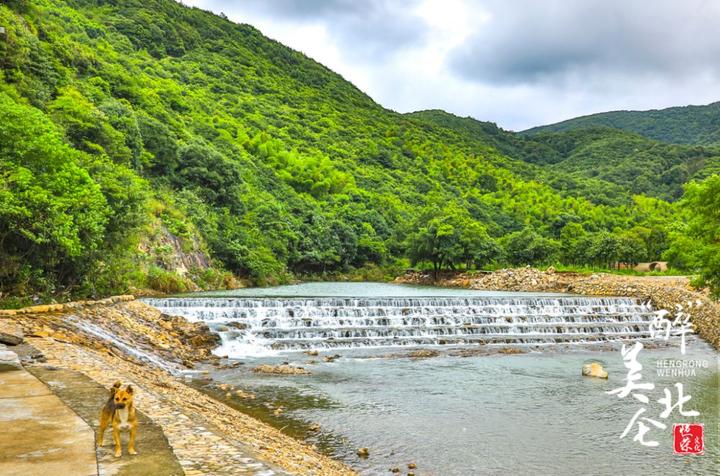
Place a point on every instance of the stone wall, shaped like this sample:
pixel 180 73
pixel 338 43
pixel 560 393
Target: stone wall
pixel 66 307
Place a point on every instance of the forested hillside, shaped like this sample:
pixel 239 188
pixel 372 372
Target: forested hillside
pixel 638 164
pixel 678 125
pixel 128 126
pixel 635 164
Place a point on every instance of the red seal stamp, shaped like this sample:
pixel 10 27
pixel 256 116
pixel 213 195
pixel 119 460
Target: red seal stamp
pixel 688 438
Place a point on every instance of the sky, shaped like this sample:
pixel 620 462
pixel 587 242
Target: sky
pixel 519 63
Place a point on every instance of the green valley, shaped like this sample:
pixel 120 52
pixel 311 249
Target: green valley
pixel 133 132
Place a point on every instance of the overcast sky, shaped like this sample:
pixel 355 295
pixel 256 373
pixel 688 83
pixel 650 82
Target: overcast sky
pixel 519 63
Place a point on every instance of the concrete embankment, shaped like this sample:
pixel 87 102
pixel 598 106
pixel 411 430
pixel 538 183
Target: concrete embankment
pixel 40 434
pixel 93 344
pixel 672 293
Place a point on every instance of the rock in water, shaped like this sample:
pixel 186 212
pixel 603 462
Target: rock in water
pixel 363 452
pixel 423 354
pixel 281 369
pixel 594 370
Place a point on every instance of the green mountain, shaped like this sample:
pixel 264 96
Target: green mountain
pixel 630 162
pixel 148 144
pixel 506 142
pixel 635 163
pixel 677 125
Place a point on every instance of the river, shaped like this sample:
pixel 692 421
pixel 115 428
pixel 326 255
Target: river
pixel 461 413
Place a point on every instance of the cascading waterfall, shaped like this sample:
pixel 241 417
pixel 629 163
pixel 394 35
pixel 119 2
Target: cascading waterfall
pixel 261 326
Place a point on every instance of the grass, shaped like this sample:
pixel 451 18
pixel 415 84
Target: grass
pixel 15 302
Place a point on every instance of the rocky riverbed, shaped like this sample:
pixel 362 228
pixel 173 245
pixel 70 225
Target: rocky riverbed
pixel 123 339
pixel 672 293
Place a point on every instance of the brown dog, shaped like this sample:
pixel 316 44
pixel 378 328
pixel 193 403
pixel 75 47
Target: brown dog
pixel 119 410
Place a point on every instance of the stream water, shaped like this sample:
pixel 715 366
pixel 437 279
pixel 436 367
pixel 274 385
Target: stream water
pixel 368 315
pixel 530 413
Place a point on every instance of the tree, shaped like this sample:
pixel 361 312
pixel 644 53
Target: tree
pixel 448 237
pixel 87 127
pixel 573 243
pixel 526 247
pixel 52 213
pixel 433 242
pixel 478 249
pixel 697 242
pixel 604 249
pixel 207 171
pixel 631 249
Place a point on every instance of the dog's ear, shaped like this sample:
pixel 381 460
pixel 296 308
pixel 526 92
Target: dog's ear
pixel 129 389
pixel 115 387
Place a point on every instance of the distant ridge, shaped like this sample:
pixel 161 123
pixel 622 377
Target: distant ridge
pixel 679 125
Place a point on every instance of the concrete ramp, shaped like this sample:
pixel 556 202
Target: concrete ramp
pixel 39 434
pixel 85 396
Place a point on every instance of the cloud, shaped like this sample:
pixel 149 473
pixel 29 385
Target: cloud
pixel 529 42
pixel 362 29
pixel 519 63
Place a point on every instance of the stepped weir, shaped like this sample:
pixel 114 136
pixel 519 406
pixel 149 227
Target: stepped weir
pixel 253 326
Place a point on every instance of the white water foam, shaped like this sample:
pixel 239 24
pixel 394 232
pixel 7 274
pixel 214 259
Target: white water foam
pixel 265 326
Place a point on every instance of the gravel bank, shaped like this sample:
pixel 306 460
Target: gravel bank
pixel 151 352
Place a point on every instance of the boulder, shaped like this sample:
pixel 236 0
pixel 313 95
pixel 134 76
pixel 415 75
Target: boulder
pixel 423 354
pixel 363 452
pixel 594 370
pixel 9 361
pixel 237 325
pixel 245 395
pixel 511 350
pixel 37 309
pixel 10 333
pixel 281 369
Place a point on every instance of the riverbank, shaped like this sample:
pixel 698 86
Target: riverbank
pixel 123 339
pixel 663 292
